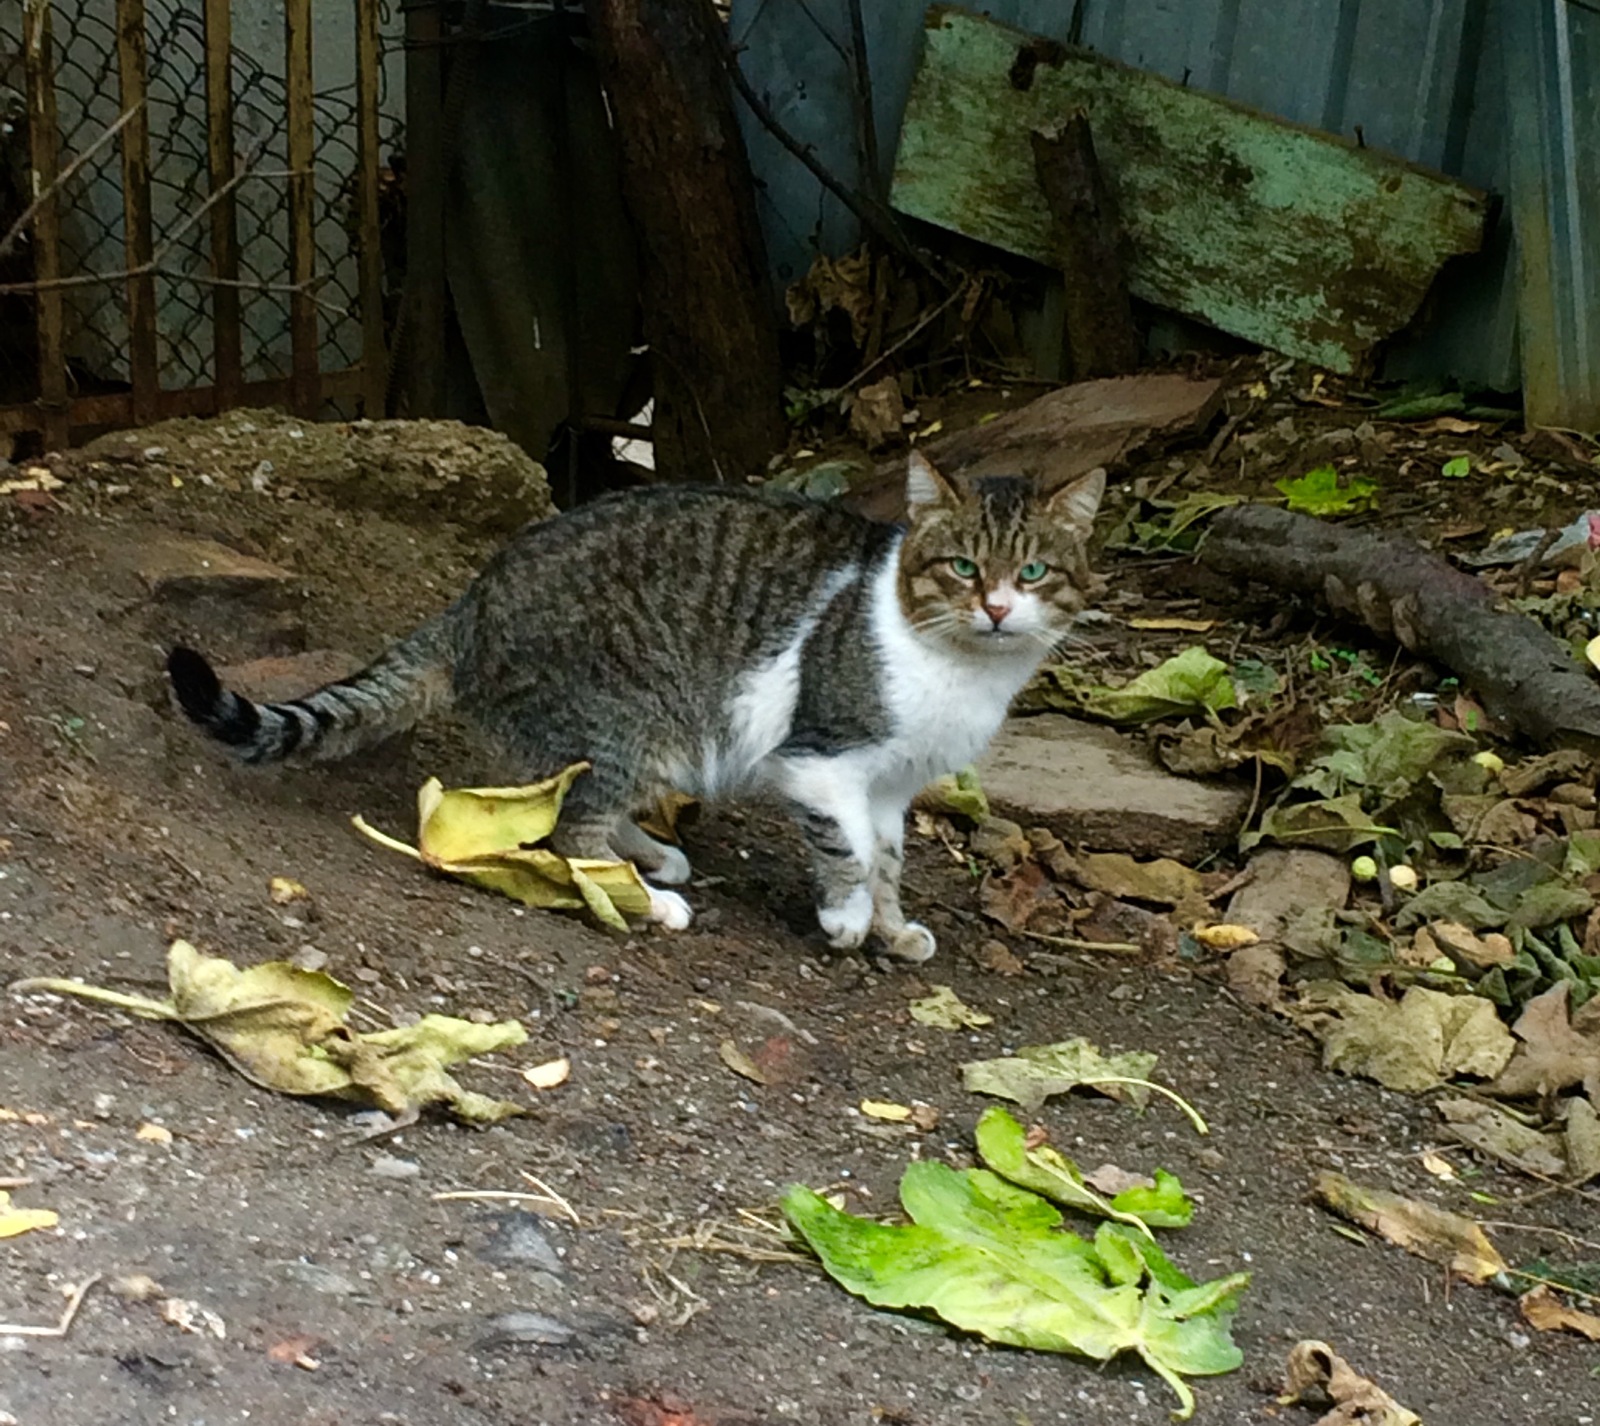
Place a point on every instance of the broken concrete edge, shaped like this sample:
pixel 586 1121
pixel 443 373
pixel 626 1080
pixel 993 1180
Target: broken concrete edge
pixel 1094 787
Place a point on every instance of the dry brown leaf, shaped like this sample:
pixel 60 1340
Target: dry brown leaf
pixel 1179 626
pixel 1501 1136
pixel 1420 1228
pixel 1111 1180
pixel 1315 1368
pixel 1583 1141
pixel 1545 1312
pixel 1015 898
pixel 1164 882
pixel 1553 1054
pixel 1413 1045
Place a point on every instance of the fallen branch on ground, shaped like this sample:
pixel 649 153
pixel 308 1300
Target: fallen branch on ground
pixel 1402 591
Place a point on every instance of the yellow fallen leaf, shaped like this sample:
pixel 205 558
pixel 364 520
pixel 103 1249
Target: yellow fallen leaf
pixel 283 890
pixel 489 836
pixel 1439 1166
pixel 549 1074
pixel 15 1221
pixel 1224 937
pixel 1545 1312
pixel 883 1109
pixel 1592 650
pixel 153 1134
pixel 739 1062
pixel 945 1010
pixel 283 1028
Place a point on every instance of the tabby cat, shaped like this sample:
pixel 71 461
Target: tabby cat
pixel 727 642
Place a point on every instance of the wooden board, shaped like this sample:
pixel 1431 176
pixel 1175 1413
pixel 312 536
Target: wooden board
pixel 1279 234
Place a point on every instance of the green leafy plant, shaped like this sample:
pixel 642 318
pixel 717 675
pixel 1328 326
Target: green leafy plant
pixel 991 1257
pixel 1322 492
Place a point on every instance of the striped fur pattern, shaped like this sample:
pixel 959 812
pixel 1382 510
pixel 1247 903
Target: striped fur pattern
pixel 727 643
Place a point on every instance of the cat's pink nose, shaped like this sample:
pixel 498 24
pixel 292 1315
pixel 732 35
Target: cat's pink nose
pixel 996 609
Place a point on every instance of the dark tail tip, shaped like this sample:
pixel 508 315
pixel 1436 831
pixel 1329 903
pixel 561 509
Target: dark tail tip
pixel 205 701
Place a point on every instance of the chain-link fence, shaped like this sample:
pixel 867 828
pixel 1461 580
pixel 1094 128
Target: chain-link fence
pixel 89 74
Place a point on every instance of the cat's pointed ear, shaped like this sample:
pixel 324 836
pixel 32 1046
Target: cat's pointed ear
pixel 1078 503
pixel 925 487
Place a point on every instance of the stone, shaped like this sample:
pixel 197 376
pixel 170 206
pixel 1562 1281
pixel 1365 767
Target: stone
pixel 181 567
pixel 1094 787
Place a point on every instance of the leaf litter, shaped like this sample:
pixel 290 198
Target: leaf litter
pixel 284 1029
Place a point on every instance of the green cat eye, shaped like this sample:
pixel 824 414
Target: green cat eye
pixel 964 568
pixel 1033 572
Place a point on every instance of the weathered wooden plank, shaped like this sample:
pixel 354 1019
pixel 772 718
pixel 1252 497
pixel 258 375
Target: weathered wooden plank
pixel 1552 57
pixel 43 140
pixel 369 256
pixel 138 228
pixel 1275 233
pixel 302 208
pixel 227 340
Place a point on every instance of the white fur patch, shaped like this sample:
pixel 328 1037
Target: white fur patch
pixel 674 869
pixel 847 925
pixel 669 910
pixel 761 712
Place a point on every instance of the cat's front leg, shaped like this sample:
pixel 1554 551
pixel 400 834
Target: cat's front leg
pixel 902 939
pixel 829 801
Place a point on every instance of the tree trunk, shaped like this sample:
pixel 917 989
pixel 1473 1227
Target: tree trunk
pixel 709 319
pixel 1101 340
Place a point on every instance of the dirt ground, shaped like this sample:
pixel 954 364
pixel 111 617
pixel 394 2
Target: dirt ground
pixel 120 829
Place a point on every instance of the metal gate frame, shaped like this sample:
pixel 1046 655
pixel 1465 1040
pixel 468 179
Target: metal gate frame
pixel 55 410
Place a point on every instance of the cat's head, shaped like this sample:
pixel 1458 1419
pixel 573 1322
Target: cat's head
pixel 992 566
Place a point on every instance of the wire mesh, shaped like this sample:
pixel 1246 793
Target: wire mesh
pixel 91 203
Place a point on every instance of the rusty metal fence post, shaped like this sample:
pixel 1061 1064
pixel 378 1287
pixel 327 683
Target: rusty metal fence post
pixel 142 291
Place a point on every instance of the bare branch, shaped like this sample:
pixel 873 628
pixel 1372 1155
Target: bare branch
pixel 60 180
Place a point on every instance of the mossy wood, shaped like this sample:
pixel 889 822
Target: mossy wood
pixel 1295 239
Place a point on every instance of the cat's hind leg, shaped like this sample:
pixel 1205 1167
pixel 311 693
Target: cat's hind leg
pixel 902 939
pixel 588 832
pixel 657 860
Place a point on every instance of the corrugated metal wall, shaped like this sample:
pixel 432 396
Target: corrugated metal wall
pixel 1424 79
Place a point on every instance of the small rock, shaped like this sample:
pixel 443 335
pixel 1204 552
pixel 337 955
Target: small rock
pixel 517 1242
pixel 533 1327
pixel 1094 787
pixel 390 1166
pixel 321 1279
pixel 179 567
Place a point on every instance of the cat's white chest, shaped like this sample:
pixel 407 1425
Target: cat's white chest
pixel 944 708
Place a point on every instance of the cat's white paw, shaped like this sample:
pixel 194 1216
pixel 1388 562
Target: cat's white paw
pixel 669 910
pixel 847 924
pixel 674 869
pixel 912 942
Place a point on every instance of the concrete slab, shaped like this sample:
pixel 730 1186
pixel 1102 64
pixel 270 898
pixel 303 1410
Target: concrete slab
pixel 1097 788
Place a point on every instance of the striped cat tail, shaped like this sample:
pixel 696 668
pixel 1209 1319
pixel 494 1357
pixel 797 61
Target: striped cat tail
pixel 392 693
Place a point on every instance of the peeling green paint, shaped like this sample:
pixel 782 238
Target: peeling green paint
pixel 1278 234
